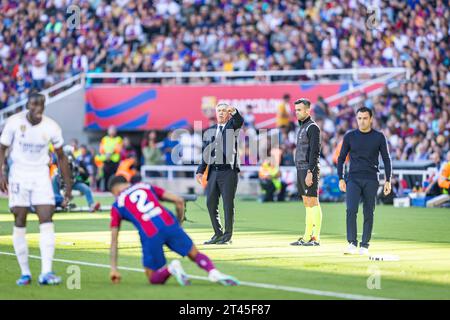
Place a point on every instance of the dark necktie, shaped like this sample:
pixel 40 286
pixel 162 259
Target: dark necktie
pixel 213 154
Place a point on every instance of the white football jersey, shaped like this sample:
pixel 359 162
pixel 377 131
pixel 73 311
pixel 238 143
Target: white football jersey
pixel 30 144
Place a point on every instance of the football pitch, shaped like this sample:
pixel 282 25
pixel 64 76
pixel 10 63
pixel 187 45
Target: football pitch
pixel 260 256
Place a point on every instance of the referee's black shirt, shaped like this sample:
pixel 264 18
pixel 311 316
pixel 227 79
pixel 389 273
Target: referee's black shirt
pixel 364 149
pixel 313 153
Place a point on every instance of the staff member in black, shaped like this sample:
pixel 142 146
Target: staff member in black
pixel 308 171
pixel 220 161
pixel 364 145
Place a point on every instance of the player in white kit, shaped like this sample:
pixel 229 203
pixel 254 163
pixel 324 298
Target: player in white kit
pixel 28 135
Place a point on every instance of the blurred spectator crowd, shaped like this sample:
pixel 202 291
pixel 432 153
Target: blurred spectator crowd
pixel 41 43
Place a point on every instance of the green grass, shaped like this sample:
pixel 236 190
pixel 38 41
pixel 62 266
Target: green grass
pixel 260 253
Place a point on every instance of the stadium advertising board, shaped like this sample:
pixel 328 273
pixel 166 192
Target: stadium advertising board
pixel 144 107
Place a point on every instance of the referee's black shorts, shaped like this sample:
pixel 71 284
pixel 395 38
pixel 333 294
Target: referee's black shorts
pixel 303 189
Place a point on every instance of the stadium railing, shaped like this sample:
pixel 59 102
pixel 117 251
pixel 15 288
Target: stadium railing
pixel 249 174
pixel 169 172
pixel 354 74
pixel 52 94
pixel 366 75
pixel 358 79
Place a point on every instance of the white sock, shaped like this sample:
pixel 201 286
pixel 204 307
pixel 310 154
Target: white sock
pixel 47 245
pixel 21 249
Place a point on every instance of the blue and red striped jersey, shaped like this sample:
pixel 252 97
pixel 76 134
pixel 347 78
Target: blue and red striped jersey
pixel 140 205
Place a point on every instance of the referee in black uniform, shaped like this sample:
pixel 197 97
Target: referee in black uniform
pixel 308 171
pixel 364 145
pixel 220 161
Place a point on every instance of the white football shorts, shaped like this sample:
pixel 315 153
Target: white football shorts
pixel 30 188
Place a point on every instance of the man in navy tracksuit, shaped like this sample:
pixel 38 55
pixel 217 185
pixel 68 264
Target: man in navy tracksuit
pixel 364 145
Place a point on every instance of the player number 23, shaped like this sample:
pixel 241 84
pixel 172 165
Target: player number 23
pixel 139 197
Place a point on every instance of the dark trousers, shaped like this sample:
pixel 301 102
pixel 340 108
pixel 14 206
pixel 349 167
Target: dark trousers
pixel 269 190
pixel 366 190
pixel 221 183
pixel 109 169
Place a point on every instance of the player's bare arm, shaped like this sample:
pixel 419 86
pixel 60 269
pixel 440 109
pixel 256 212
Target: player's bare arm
pixel 179 204
pixel 63 164
pixel 114 274
pixel 3 178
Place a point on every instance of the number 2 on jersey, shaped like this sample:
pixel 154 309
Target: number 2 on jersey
pixel 148 210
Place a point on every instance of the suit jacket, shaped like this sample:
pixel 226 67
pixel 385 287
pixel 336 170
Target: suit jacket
pixel 229 139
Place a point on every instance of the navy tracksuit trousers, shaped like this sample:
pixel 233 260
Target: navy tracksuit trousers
pixel 366 190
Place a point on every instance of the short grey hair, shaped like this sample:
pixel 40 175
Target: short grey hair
pixel 222 104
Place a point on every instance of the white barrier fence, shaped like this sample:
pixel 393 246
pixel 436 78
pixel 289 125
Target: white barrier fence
pixel 367 76
pixel 169 172
pixel 52 94
pixel 326 75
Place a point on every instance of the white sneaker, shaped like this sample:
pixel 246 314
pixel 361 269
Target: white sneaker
pixel 178 272
pixel 351 249
pixel 224 279
pixel 363 251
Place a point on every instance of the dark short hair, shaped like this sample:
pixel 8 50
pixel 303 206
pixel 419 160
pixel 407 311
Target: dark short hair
pixel 37 96
pixel 305 101
pixel 116 180
pixel 136 178
pixel 365 109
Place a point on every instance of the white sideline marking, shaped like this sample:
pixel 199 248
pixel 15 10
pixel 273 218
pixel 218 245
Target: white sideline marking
pixel 244 283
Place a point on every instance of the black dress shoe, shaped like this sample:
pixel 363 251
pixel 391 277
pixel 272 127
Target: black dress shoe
pixel 299 242
pixel 224 241
pixel 213 240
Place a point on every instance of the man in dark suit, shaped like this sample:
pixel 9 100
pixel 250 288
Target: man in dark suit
pixel 220 162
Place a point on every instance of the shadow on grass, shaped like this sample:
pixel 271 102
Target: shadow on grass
pixel 293 277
